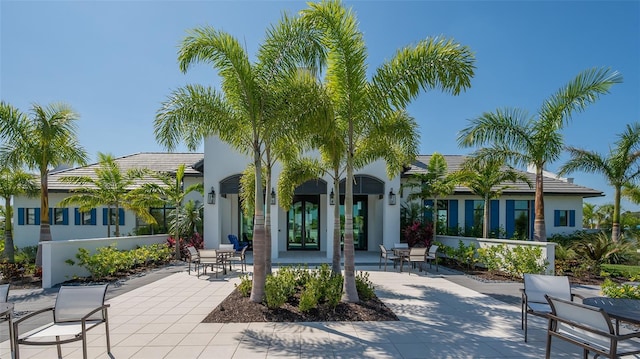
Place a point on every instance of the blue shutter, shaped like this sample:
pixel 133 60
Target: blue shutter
pixel 21 216
pixel 510 224
pixel 121 216
pixel 572 218
pixel 428 213
pixel 494 213
pixel 453 214
pixel 51 221
pixel 532 210
pixel 37 216
pixel 76 216
pixel 468 214
pixel 105 216
pixel 65 216
pixel 556 218
pixel 93 216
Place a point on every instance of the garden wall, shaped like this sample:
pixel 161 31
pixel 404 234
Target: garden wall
pixel 548 248
pixel 55 270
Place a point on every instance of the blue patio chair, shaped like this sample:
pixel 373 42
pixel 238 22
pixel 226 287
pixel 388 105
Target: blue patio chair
pixel 237 245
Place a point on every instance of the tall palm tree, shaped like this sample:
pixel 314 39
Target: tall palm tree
pixel 604 215
pixel 358 103
pixel 588 214
pixel 169 191
pixel 44 140
pixel 245 112
pixel 523 140
pixel 620 167
pixel 109 187
pixel 14 182
pixel 486 178
pixel 436 183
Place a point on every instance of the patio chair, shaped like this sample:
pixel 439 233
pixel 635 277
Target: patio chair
pixel 432 255
pixel 77 310
pixel 4 293
pixel 193 257
pixel 386 255
pixel 237 245
pixel 533 301
pixel 588 327
pixel 417 255
pixel 239 258
pixel 212 258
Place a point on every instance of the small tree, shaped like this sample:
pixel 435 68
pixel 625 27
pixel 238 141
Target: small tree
pixel 14 182
pixel 110 187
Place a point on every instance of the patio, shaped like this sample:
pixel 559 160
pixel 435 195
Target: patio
pixel 438 319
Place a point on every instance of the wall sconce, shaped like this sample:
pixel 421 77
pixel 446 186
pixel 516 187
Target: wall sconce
pixel 273 196
pixel 211 198
pixel 332 199
pixel 392 197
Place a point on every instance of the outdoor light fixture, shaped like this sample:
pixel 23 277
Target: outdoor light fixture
pixel 273 196
pixel 332 199
pixel 211 198
pixel 392 197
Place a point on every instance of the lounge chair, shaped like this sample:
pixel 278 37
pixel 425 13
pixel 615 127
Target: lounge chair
pixel 432 255
pixel 237 245
pixel 588 327
pixel 387 255
pixel 77 310
pixel 536 286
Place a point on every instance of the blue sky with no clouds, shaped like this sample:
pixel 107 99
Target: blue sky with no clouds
pixel 114 62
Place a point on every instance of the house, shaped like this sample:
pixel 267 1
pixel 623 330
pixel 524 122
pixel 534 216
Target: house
pixel 308 224
pixel 70 223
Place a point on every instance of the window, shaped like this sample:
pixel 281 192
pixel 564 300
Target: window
pixel 521 215
pixel 30 216
pixel 564 218
pixel 84 218
pixel 110 213
pixel 57 216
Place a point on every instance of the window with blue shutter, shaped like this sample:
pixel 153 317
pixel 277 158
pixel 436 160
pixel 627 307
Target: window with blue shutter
pixel 21 216
pixel 121 216
pixel 36 216
pixel 65 216
pixel 494 213
pixel 564 218
pixel 468 214
pixel 76 216
pixel 510 224
pixel 105 216
pixel 572 218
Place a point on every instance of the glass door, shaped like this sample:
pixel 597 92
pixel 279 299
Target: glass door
pixel 359 222
pixel 303 223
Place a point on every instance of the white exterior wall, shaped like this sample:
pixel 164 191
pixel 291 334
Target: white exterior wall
pixel 221 219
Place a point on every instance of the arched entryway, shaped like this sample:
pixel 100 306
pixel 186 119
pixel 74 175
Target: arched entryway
pixel 363 188
pixel 304 216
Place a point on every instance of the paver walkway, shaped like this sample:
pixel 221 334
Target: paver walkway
pixel 438 319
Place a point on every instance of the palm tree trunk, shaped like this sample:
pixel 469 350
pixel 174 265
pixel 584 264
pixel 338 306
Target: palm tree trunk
pixel 45 229
pixel 615 228
pixel 267 235
pixel 349 286
pixel 336 268
pixel 8 232
pixel 485 224
pixel 539 229
pixel 117 234
pixel 259 245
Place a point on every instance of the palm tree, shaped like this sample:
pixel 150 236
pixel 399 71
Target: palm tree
pixel 523 140
pixel 435 183
pixel 486 178
pixel 359 103
pixel 604 215
pixel 621 167
pixel 44 140
pixel 169 192
pixel 14 182
pixel 246 112
pixel 110 187
pixel 588 214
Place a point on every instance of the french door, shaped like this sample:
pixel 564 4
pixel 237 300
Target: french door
pixel 303 223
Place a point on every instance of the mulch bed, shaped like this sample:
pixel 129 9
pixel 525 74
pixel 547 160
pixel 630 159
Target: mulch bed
pixel 238 309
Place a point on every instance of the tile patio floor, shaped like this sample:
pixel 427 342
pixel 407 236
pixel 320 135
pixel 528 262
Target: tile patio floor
pixel 438 319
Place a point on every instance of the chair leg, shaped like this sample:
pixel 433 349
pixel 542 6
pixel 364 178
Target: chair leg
pixel 60 349
pixel 548 349
pixel 106 330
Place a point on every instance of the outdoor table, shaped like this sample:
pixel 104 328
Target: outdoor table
pixel 620 309
pixel 402 253
pixel 6 313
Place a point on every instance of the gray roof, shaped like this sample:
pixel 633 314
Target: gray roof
pixel 551 185
pixel 154 161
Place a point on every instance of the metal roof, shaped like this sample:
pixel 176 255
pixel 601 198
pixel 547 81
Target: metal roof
pixel 154 161
pixel 552 185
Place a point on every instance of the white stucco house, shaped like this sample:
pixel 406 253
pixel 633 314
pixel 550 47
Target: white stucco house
pixel 307 225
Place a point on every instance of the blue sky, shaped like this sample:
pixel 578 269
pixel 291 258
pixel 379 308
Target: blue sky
pixel 114 62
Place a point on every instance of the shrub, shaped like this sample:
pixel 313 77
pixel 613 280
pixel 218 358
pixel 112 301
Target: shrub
pixel 364 286
pixel 418 233
pixel 278 288
pixel 11 271
pixel 613 290
pixel 245 285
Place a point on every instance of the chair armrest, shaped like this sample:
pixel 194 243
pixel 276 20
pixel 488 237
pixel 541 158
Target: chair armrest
pixel 573 295
pixel 33 314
